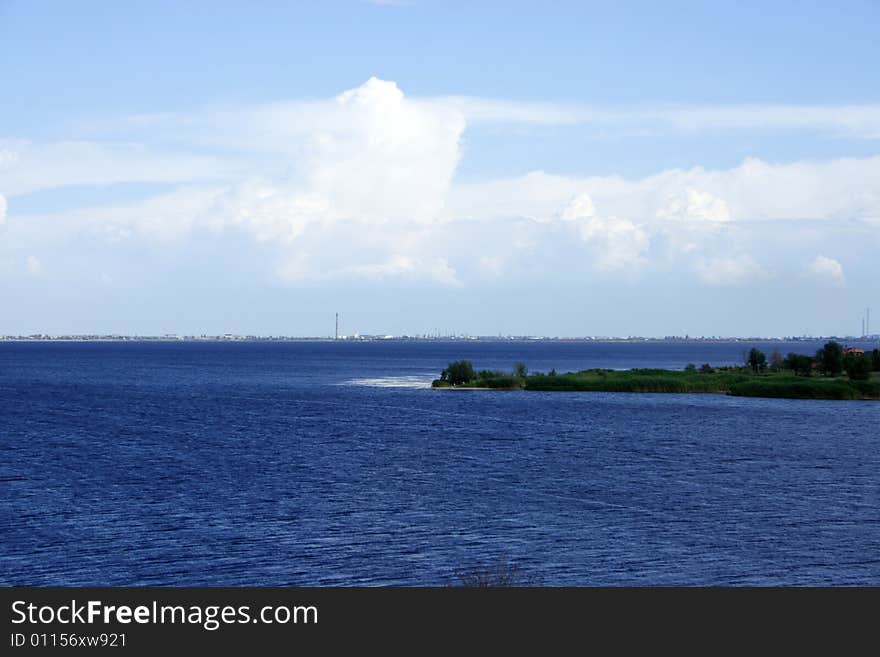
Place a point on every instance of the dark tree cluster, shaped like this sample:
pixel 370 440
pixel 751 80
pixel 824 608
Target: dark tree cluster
pixel 757 360
pixel 829 359
pixel 858 366
pixel 461 371
pixel 799 364
pixel 832 360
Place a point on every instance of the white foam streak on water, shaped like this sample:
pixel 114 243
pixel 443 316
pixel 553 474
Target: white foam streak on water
pixel 392 382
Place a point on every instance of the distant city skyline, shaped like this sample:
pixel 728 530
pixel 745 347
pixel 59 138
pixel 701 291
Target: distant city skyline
pixel 434 336
pixel 571 170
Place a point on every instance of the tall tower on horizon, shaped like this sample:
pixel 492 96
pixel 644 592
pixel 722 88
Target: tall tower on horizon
pixel 337 326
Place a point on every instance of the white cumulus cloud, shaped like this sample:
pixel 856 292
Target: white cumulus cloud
pixel 363 186
pixel 616 243
pixel 691 218
pixel 696 205
pixel 270 212
pixel 756 190
pixel 581 207
pixel 828 270
pixel 375 175
pixel 386 157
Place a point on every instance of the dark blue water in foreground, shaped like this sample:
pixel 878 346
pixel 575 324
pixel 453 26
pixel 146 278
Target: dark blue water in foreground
pixel 323 463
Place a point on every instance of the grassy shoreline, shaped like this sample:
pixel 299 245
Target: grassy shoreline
pixel 738 382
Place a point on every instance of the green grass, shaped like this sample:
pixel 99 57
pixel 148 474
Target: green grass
pixel 733 381
pixel 636 381
pixel 869 389
pixel 503 382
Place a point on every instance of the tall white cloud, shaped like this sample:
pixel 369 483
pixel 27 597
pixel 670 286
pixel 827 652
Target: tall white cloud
pixel 369 172
pixel 387 158
pixel 3 207
pixel 377 171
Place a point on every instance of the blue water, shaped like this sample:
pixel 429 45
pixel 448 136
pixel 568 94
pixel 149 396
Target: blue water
pixel 326 463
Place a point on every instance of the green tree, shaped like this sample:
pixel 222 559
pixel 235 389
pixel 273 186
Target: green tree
pixel 858 366
pixel 520 370
pixel 798 363
pixel 461 371
pixel 705 368
pixel 875 359
pixel 757 360
pixel 830 358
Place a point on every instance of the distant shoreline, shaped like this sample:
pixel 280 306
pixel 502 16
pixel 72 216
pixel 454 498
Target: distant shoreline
pixel 459 340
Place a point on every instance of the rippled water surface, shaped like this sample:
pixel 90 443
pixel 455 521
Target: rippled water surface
pixel 329 463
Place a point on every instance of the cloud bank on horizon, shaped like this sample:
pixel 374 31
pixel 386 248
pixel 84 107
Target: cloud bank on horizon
pixel 364 189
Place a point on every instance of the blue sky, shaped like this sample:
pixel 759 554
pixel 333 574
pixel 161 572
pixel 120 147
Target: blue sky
pixel 537 168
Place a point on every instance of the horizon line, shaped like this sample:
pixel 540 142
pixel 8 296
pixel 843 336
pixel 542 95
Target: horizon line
pixel 379 337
